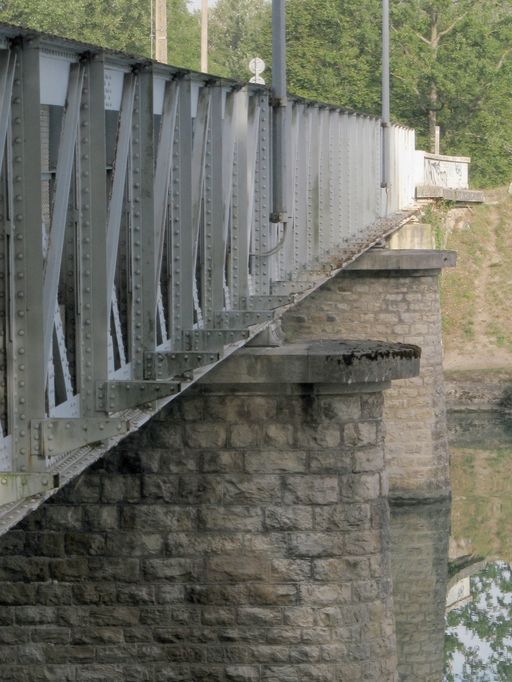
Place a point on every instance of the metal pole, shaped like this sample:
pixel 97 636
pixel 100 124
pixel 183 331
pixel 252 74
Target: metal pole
pixel 279 96
pixel 204 36
pixel 385 96
pixel 161 31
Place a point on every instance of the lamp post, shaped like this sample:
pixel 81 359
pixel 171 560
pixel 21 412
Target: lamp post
pixel 385 115
pixel 279 97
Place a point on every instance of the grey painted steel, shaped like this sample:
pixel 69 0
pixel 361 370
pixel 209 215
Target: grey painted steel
pixel 7 66
pixel 279 111
pixel 117 396
pixel 161 366
pixel 93 294
pixel 61 201
pixel 54 436
pixel 15 486
pixel 385 114
pixel 160 255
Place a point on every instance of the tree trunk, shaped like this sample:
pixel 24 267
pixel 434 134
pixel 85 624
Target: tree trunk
pixel 432 95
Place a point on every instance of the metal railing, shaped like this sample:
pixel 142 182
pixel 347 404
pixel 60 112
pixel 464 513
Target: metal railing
pixel 136 241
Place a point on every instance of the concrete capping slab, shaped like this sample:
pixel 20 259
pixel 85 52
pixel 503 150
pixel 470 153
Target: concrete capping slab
pixel 445 157
pixel 320 362
pixel 404 260
pixel 461 195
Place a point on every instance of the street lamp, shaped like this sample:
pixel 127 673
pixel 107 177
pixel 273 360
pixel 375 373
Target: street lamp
pixel 279 97
pixel 385 115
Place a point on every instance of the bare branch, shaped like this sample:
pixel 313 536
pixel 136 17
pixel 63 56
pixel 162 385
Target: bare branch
pixel 503 58
pixel 425 40
pixel 452 25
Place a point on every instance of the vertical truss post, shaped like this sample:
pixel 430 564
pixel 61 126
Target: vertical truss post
pixel 253 126
pixel 261 241
pixel 216 212
pixel 94 315
pixel 143 227
pixel 26 245
pixel 240 226
pixel 182 266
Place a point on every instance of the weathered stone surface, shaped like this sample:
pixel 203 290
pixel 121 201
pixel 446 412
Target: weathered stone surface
pixel 394 296
pixel 241 536
pixel 419 535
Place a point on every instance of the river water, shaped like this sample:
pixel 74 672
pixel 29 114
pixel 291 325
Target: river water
pixel 453 567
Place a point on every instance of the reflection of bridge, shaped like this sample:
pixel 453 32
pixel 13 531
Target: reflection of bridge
pixel 138 254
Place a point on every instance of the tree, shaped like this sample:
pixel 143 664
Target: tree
pixel 238 31
pixel 334 51
pixel 451 67
pixel 117 24
pixel 183 35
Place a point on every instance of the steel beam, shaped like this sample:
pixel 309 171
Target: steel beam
pixel 160 366
pixel 26 247
pixel 50 437
pixel 116 396
pixel 93 300
pixel 16 486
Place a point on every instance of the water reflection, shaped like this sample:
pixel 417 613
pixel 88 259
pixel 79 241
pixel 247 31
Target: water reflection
pixel 478 641
pixel 419 551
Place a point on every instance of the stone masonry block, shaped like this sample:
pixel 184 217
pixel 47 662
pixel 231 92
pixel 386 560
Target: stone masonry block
pixel 241 537
pixel 318 490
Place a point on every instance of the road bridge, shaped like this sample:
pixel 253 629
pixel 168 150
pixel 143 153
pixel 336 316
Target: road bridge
pixel 241 533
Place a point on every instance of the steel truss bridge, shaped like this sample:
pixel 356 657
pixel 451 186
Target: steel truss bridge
pixel 136 248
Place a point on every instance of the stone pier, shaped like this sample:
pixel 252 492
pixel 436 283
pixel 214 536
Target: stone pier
pixel 241 536
pixel 394 296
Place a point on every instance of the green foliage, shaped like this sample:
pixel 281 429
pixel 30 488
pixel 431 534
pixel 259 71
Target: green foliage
pixel 451 60
pixel 238 31
pixel 183 35
pixel 117 24
pixel 451 67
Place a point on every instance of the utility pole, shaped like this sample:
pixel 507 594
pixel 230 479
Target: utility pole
pixel 160 14
pixel 204 36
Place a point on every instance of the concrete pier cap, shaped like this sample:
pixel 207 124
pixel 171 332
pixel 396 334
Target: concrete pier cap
pixel 332 363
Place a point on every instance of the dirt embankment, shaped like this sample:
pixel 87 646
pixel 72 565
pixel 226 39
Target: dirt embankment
pixel 477 304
